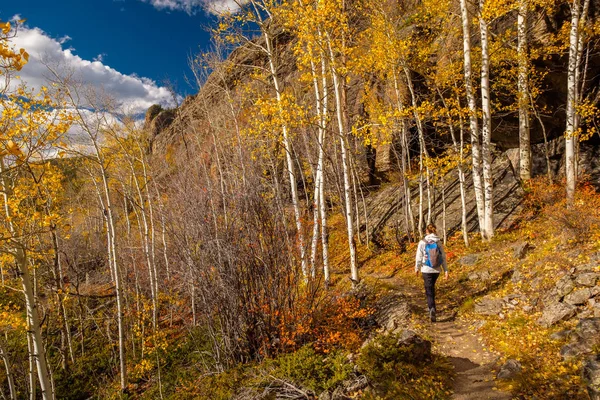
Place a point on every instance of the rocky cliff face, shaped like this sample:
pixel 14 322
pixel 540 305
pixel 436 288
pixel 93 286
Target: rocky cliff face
pixel 194 117
pixel 240 64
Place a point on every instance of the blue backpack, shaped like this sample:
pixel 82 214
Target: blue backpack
pixel 432 254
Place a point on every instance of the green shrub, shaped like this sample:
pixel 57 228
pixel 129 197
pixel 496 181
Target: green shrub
pixel 221 386
pixel 312 370
pixel 394 373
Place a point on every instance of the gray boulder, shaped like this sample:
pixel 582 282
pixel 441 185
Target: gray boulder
pixel 574 349
pixel 561 334
pixel 587 279
pixel 393 312
pixel 470 259
pixel 517 276
pixel 585 314
pixel 528 309
pixel 585 338
pixel 555 313
pixel 488 306
pixel 480 276
pixel 564 286
pixel 509 370
pixel 520 250
pixel 578 297
pixel 551 297
pixel 591 375
pixel 420 348
pixel 589 329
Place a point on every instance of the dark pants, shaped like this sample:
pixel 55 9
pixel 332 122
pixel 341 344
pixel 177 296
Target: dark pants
pixel 429 280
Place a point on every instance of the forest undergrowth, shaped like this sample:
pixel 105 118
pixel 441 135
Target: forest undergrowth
pixel 328 354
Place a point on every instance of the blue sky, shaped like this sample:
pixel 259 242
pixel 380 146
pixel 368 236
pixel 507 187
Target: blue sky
pixel 144 42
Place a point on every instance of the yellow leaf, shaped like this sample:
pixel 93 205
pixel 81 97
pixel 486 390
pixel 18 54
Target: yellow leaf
pixel 13 148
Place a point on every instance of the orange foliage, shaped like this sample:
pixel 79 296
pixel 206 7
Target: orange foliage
pixel 327 320
pixel 577 222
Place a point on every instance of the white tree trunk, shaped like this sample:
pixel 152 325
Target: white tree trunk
pixel 288 153
pixel 570 133
pixel 315 234
pixel 322 202
pixel 444 212
pixel 523 93
pixel 319 173
pixel 421 217
pixel 39 353
pixel 9 376
pixel 458 148
pixel 430 199
pixel 405 164
pixel 31 372
pixel 473 123
pixel 33 320
pixel 486 131
pixel 461 179
pixel 150 230
pixel 104 196
pixel 407 192
pixel 345 170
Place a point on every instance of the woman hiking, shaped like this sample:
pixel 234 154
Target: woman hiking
pixel 430 257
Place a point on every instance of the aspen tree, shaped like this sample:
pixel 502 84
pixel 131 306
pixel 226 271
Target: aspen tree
pixel 144 203
pixel 323 117
pixel 335 67
pixel 19 224
pixel 571 135
pixel 92 125
pixel 302 18
pixel 486 131
pixel 319 191
pixel 260 13
pixel 332 29
pixel 29 129
pixel 423 157
pixel 473 123
pixel 523 92
pixel 9 374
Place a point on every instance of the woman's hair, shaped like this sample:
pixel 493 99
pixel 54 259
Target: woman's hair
pixel 431 228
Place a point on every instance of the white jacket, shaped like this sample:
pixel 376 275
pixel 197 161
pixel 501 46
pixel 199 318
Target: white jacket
pixel 421 256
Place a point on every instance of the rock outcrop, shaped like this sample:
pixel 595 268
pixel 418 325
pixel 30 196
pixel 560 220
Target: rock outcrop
pixel 591 375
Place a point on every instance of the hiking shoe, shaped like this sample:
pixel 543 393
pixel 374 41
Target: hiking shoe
pixel 432 314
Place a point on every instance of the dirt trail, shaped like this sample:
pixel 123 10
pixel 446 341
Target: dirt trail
pixel 474 365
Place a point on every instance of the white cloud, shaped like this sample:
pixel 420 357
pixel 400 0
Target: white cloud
pixel 222 6
pixel 64 39
pixel 133 94
pixel 100 57
pixel 192 6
